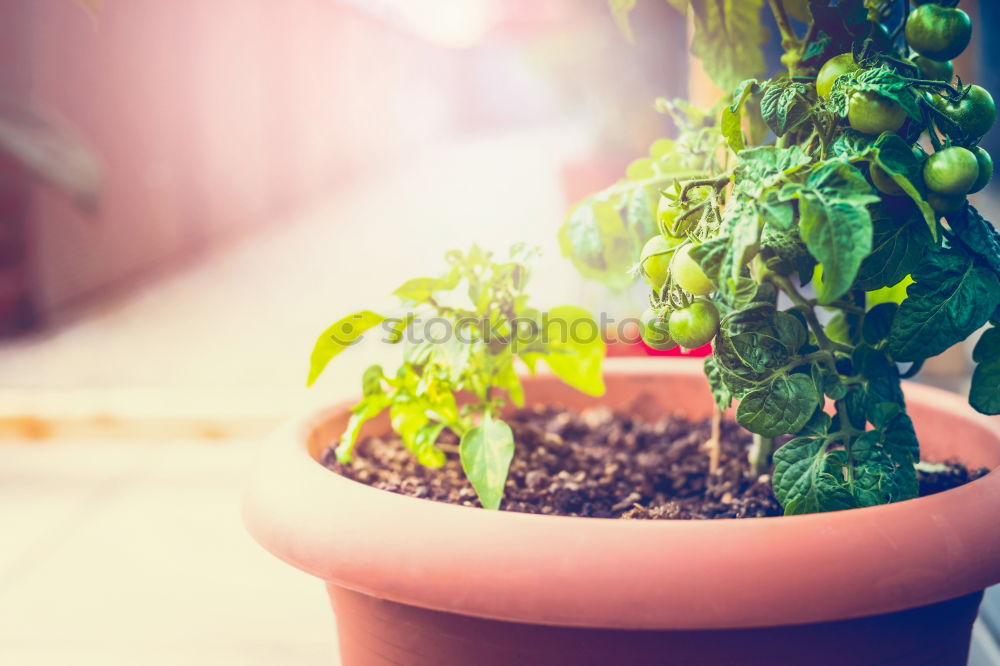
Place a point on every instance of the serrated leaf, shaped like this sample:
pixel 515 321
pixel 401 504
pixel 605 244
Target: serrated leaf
pixel 729 38
pixel 784 105
pixel 486 451
pixel 420 289
pixel 951 297
pixel 805 481
pixel 899 241
pixel 731 124
pixel 878 323
pixel 985 393
pixel 881 473
pixel 369 407
pixel 720 392
pixel 595 240
pixel 338 337
pixel 977 235
pixel 780 408
pixel 836 225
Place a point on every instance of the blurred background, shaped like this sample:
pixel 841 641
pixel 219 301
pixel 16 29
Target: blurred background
pixel 190 192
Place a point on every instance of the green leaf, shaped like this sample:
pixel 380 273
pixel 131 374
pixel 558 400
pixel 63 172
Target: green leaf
pixel 807 479
pixel 836 225
pixel 985 393
pixel 720 392
pixel 369 407
pixel 878 323
pixel 595 240
pixel 881 474
pixel 759 341
pixel 731 124
pixel 781 408
pixel 952 297
pixel 371 381
pixel 849 144
pixel 978 235
pixel 896 158
pixel 576 348
pixel 338 337
pixel 508 380
pixel 423 445
pixel 486 451
pixel 759 169
pixel 899 241
pixel 729 38
pixel 784 105
pixel 420 289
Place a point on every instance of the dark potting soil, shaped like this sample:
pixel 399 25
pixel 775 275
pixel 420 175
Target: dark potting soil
pixel 601 464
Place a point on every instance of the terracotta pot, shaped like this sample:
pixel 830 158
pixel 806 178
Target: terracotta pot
pixel 417 582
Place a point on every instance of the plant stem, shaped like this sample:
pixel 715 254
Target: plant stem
pixel 716 183
pixel 714 443
pixel 803 305
pixel 789 40
pixel 760 454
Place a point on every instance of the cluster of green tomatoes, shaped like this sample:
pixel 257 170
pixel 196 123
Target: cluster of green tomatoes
pixel 958 167
pixel 936 34
pixel 686 318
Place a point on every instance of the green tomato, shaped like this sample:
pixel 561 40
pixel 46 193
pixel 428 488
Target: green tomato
pixel 951 171
pixel 884 182
pixel 655 331
pixel 666 212
pixel 688 275
pixel 655 259
pixel 935 70
pixel 695 325
pixel 946 204
pixel 974 114
pixel 831 71
pixel 871 113
pixel 938 33
pixel 985 169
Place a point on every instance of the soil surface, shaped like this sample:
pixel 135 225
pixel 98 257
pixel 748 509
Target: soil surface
pixel 600 464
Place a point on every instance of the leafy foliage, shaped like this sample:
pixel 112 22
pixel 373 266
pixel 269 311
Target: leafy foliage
pixel 834 200
pixel 488 326
pixel 603 235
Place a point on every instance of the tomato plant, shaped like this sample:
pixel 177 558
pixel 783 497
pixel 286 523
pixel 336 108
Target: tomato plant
pixel 472 348
pixel 827 253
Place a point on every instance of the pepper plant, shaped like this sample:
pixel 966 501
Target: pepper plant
pixel 461 334
pixel 815 226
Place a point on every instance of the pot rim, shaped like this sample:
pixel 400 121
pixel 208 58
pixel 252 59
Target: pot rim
pixel 611 573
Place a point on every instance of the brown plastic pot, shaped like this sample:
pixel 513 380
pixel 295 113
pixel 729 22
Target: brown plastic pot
pixel 417 583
